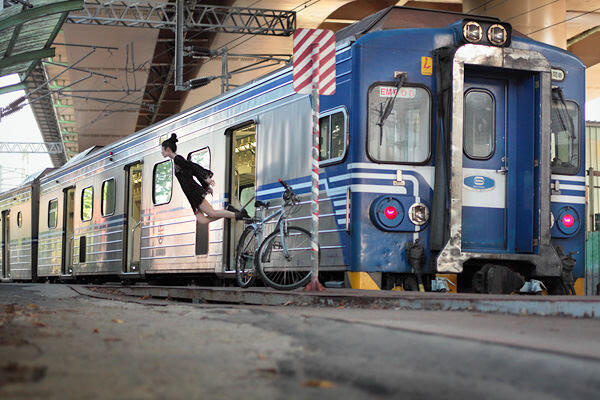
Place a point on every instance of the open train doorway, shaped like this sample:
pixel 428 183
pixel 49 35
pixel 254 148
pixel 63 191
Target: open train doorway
pixel 242 179
pixel 6 244
pixel 68 231
pixel 133 217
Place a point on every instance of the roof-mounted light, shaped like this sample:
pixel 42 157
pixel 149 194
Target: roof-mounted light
pixel 472 32
pixel 497 34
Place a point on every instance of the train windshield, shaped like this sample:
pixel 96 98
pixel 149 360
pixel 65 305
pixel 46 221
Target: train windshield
pixel 404 136
pixel 565 136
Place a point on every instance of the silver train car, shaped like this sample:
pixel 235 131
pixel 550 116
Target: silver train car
pixel 116 211
pixel 19 221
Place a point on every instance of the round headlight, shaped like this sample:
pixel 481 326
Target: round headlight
pixel 418 214
pixel 473 32
pixel 497 35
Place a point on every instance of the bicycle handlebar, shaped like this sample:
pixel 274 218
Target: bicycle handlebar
pixel 289 193
pixel 284 184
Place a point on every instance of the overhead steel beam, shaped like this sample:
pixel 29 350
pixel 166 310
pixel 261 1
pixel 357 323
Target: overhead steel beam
pixel 25 57
pixel 20 147
pixel 179 37
pixel 198 17
pixel 43 110
pixel 12 88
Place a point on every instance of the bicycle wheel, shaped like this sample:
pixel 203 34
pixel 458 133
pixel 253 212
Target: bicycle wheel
pixel 244 258
pixel 281 271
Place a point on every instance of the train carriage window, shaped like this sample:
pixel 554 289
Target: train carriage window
pixel 201 157
pixel 333 138
pixel 403 135
pixel 87 203
pixel 162 186
pixel 52 213
pixel 478 134
pixel 19 219
pixel 108 197
pixel 564 136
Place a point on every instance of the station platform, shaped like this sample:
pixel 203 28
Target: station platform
pixel 571 306
pixel 60 341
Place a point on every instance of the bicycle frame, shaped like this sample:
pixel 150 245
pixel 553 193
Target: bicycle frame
pixel 281 225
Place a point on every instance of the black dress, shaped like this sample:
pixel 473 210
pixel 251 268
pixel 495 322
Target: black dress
pixel 185 171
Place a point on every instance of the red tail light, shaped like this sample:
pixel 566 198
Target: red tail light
pixel 568 220
pixel 390 212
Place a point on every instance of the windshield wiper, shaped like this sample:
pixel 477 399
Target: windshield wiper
pixel 389 105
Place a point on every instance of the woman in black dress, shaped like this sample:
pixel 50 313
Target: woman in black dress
pixel 185 171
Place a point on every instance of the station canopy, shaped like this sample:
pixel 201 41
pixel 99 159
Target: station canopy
pixel 27 30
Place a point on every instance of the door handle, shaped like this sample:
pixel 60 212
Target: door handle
pixel 556 188
pixel 348 209
pixel 502 170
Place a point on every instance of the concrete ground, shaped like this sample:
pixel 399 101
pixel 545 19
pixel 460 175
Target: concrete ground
pixel 57 344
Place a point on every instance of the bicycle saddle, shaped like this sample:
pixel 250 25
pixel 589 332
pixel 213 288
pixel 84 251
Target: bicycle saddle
pixel 259 203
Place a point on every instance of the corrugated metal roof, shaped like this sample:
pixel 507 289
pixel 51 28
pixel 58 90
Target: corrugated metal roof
pixel 26 33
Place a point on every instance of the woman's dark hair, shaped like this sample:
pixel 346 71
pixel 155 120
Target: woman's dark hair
pixel 171 143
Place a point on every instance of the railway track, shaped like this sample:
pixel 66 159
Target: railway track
pixel 570 306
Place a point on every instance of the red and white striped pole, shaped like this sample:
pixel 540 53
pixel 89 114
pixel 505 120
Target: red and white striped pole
pixel 314 281
pixel 314 73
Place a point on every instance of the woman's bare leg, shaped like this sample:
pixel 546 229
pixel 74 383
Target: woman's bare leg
pixel 203 219
pixel 213 214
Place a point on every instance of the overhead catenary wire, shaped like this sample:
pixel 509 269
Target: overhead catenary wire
pixel 532 10
pixel 565 21
pixel 482 5
pixel 240 41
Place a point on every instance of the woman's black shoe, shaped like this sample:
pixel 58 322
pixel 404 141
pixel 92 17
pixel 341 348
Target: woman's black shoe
pixel 232 208
pixel 243 214
pixel 239 214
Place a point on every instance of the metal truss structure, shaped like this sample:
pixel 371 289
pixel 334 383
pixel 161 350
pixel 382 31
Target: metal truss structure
pixel 179 22
pixel 160 15
pixel 24 147
pixel 262 61
pixel 42 106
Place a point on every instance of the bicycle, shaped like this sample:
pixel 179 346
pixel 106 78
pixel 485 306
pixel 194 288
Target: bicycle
pixel 283 259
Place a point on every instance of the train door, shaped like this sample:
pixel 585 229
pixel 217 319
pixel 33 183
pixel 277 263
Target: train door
pixel 499 134
pixel 133 217
pixel 242 179
pixel 6 244
pixel 202 158
pixel 68 230
pixel 485 169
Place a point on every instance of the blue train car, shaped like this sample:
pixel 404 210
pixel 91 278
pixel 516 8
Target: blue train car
pixel 465 154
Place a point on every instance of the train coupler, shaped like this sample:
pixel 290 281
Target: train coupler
pixel 415 254
pixel 567 282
